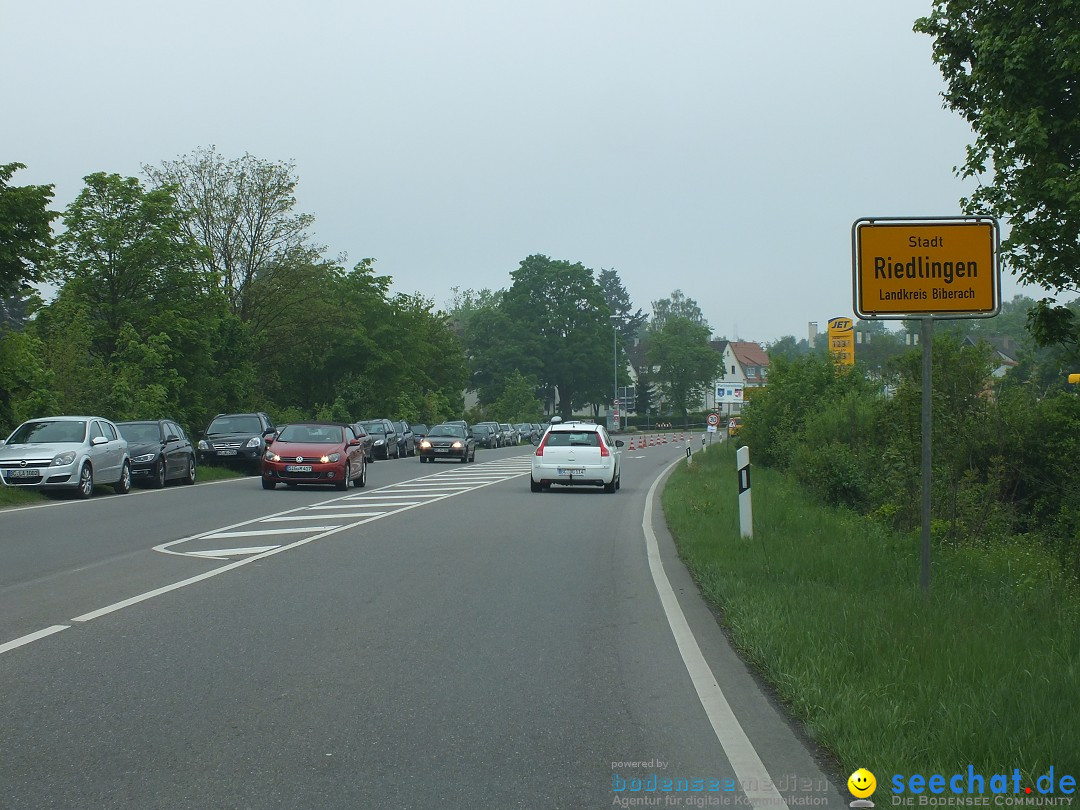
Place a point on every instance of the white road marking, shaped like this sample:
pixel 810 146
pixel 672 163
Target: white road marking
pixel 353 504
pixel 18 642
pixel 744 759
pixel 321 517
pixel 258 532
pixel 221 553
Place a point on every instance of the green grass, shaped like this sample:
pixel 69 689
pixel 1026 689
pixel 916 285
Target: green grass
pixel 208 472
pixel 14 496
pixel 826 605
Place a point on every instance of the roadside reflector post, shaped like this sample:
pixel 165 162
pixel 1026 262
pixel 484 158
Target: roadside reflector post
pixel 746 517
pixel 689 460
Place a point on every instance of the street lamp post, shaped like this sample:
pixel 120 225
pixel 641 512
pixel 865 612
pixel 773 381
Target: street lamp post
pixel 615 355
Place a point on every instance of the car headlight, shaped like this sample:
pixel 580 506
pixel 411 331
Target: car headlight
pixel 143 458
pixel 380 441
pixel 333 458
pixel 63 458
pixel 272 456
pixel 255 441
pixel 202 445
pixel 458 445
pixel 425 444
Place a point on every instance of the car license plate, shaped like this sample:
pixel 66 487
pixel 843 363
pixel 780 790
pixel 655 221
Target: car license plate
pixel 21 473
pixel 442 449
pixel 226 452
pixel 571 470
pixel 298 468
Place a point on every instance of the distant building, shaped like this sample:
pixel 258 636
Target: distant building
pixel 1005 349
pixel 745 364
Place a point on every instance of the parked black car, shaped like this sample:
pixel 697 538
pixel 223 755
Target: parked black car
pixel 237 439
pixel 419 432
pixel 406 439
pixel 367 441
pixel 384 435
pixel 160 451
pixel 484 436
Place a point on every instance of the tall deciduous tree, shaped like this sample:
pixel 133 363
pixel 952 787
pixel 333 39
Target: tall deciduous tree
pixel 26 242
pixel 242 211
pixel 677 305
pixel 686 365
pixel 562 323
pixel 1012 71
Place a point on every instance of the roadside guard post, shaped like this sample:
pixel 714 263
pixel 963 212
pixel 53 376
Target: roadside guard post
pixel 746 517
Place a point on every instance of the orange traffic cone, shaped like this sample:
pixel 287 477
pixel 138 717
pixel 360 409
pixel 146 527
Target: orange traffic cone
pixel 665 439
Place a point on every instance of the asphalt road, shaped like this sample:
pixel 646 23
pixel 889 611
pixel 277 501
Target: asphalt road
pixel 440 638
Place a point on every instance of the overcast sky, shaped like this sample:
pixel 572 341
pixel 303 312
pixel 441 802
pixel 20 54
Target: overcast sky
pixel 720 148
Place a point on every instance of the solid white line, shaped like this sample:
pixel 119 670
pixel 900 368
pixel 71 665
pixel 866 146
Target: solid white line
pixel 231 552
pixel 744 759
pixel 322 517
pixel 364 504
pixel 259 532
pixel 48 631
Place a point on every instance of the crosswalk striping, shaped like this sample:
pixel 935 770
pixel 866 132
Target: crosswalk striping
pixel 354 509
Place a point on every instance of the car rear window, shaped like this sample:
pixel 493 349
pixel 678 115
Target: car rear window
pixel 573 438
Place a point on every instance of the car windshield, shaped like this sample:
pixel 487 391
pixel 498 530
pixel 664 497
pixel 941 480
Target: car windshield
pixel 573 438
pixel 235 424
pixel 481 429
pixel 448 430
pixel 48 432
pixel 374 427
pixel 311 434
pixel 140 432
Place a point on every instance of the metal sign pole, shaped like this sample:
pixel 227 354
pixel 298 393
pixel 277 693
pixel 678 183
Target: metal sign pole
pixel 926 337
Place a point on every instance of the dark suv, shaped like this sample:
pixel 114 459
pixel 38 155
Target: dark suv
pixel 237 439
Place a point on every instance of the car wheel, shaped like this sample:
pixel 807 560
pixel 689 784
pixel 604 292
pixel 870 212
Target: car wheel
pixel 86 480
pixel 465 457
pixel 123 486
pixel 535 487
pixel 269 483
pixel 362 480
pixel 190 477
pixel 343 484
pixel 159 474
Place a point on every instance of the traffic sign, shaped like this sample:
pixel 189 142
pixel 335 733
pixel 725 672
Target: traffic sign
pixel 731 425
pixel 946 267
pixel 713 419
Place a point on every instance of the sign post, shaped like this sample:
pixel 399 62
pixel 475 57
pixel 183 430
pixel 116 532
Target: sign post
pixel 926 269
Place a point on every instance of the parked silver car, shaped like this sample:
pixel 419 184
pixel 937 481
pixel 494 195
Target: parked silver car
pixel 66 452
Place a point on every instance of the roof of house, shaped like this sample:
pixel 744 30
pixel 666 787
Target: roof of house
pixel 1004 345
pixel 749 353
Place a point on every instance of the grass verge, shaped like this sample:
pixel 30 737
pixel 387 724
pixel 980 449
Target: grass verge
pixel 826 605
pixel 209 472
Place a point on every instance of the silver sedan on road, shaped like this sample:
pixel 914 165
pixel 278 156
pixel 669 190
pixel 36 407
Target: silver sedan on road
pixel 66 452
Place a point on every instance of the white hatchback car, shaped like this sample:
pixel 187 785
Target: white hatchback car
pixel 577 454
pixel 66 452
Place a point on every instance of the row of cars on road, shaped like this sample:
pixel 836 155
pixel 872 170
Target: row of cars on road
pixel 80 452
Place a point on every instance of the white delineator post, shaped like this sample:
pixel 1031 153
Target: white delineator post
pixel 746 517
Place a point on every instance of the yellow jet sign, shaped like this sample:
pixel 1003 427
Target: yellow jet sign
pixel 842 340
pixel 926 267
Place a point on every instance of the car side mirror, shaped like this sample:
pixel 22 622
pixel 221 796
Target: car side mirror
pixel 269 440
pixel 269 431
pixel 98 440
pixel 354 442
pixel 619 443
pixel 172 437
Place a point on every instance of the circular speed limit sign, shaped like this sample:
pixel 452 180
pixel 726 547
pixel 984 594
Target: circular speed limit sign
pixel 713 419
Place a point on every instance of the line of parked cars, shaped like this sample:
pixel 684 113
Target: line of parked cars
pixel 80 452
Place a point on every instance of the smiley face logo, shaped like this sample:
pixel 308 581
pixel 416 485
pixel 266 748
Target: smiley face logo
pixel 861 783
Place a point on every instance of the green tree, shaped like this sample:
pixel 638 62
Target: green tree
pixel 26 238
pixel 1011 70
pixel 562 328
pixel 677 305
pixel 686 364
pixel 241 211
pixel 518 401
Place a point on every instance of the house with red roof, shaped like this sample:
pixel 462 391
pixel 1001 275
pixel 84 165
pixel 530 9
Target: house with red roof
pixel 745 365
